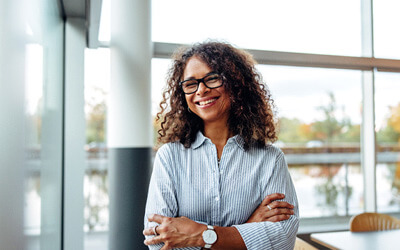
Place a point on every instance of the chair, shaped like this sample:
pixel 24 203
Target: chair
pixel 373 222
pixel 303 245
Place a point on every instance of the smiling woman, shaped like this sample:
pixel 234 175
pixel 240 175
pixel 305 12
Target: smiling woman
pixel 218 181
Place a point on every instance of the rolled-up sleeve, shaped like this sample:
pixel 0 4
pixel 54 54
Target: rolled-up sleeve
pixel 161 197
pixel 274 235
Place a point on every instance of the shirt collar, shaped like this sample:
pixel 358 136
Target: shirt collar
pixel 200 139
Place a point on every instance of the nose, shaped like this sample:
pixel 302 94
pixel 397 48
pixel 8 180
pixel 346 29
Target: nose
pixel 202 89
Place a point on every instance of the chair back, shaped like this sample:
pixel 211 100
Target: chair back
pixel 303 245
pixel 373 222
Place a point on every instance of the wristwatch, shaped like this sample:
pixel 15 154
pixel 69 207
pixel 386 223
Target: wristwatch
pixel 209 236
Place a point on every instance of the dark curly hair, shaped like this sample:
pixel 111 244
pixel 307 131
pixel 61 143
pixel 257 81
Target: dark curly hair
pixel 251 113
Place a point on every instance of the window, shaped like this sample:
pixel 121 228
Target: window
pixel 44 63
pixel 309 26
pixel 96 212
pixel 319 113
pixel 386 19
pixel 387 113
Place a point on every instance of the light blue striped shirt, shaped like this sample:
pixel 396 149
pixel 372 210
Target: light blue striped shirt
pixel 189 182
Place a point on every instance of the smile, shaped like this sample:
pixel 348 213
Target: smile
pixel 207 102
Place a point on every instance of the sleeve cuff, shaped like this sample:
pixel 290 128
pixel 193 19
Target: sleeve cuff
pixel 264 235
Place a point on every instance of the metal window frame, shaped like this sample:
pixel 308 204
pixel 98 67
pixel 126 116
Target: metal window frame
pixel 165 50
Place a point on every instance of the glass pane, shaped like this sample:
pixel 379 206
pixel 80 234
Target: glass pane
pixel 386 20
pixel 97 80
pixel 319 113
pixel 44 123
pixel 310 26
pixel 387 113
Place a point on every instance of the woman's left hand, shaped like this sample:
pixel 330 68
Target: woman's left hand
pixel 271 209
pixel 175 232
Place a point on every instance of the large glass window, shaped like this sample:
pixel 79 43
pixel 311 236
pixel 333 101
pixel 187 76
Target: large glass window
pixel 96 210
pixel 319 110
pixel 44 123
pixel 311 26
pixel 386 19
pixel 387 113
pixel 319 119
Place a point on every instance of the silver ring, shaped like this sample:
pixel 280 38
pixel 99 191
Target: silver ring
pixel 270 208
pixel 155 230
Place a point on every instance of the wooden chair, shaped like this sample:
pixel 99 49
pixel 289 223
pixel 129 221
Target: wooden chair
pixel 373 222
pixel 303 245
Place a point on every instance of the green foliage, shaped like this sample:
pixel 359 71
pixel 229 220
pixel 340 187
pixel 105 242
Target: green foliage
pixel 390 133
pixel 96 120
pixel 387 135
pixel 328 130
pixel 290 130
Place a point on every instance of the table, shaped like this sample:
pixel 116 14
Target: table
pixel 376 240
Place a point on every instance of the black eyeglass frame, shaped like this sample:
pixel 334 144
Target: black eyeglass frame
pixel 201 80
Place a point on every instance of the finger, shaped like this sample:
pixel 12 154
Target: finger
pixel 165 247
pixel 270 198
pixel 279 211
pixel 153 240
pixel 278 218
pixel 278 204
pixel 156 218
pixel 149 231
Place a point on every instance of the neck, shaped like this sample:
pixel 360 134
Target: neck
pixel 219 134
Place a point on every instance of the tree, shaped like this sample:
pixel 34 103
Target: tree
pixel 329 128
pixel 96 113
pixel 96 120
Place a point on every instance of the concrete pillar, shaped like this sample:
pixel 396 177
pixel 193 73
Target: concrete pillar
pixel 129 121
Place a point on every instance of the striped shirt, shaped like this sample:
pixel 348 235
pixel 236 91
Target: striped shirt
pixel 190 182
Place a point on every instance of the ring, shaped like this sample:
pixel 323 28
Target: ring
pixel 270 208
pixel 155 230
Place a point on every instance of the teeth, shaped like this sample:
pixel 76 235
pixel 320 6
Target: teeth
pixel 207 102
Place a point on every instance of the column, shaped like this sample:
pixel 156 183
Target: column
pixel 129 121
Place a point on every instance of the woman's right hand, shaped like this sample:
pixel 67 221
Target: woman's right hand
pixel 272 210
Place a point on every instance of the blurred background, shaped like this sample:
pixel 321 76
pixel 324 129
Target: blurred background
pixel 331 66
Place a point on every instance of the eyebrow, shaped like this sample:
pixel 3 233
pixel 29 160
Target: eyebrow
pixel 193 78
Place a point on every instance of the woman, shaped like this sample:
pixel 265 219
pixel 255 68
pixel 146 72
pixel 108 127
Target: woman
pixel 218 182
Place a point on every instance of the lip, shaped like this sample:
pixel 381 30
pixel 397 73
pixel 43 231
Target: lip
pixel 206 99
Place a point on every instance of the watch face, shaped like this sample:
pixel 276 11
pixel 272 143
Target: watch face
pixel 209 236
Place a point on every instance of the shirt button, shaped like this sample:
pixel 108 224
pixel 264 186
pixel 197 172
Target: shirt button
pixel 217 199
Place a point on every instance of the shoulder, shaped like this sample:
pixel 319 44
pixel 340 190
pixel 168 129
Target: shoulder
pixel 170 149
pixel 268 150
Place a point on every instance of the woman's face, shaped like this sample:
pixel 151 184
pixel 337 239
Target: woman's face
pixel 211 105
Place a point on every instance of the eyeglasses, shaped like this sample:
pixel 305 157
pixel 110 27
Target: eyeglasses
pixel 211 81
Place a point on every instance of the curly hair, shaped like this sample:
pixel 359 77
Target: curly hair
pixel 251 114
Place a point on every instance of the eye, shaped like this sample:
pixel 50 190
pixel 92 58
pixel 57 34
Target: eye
pixel 212 78
pixel 189 84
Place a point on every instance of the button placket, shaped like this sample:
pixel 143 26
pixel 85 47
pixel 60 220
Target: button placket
pixel 216 204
